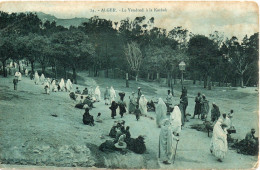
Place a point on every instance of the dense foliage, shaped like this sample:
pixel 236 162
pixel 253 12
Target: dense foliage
pixel 136 47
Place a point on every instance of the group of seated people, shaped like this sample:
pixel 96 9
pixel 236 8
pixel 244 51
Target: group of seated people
pixel 122 140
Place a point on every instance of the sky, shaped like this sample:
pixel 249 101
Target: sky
pixel 231 18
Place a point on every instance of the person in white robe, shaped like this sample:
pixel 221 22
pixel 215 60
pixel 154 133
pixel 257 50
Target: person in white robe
pixel 91 93
pixel 54 87
pixel 36 78
pixel 97 94
pixel 68 85
pixel 15 65
pixel 11 64
pixel 219 145
pixel 62 84
pixel 26 72
pixel 143 105
pixel 112 94
pixel 167 142
pixel 18 75
pixel 42 78
pixel 161 110
pixel 106 96
pixel 176 120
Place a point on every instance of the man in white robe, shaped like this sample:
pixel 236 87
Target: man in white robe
pixel 97 94
pixel 42 78
pixel 54 86
pixel 176 120
pixel 36 78
pixel 62 84
pixel 112 94
pixel 167 142
pixel 143 105
pixel 161 110
pixel 68 85
pixel 219 145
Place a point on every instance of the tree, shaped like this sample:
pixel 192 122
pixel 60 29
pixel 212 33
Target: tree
pixel 134 57
pixel 204 55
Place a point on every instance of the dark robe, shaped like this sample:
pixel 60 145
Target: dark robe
pixel 122 106
pixel 197 109
pixel 204 108
pixel 137 114
pixel 184 102
pixel 85 92
pixel 136 145
pixel 215 113
pixel 88 119
pixel 113 108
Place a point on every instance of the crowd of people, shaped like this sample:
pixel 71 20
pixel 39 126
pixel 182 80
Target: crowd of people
pixel 170 117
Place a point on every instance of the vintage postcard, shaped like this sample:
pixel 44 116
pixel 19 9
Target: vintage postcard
pixel 129 84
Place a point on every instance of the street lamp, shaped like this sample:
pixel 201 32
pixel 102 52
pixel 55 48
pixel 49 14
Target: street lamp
pixel 182 68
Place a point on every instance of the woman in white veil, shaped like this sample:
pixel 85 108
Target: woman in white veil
pixel 218 145
pixel 112 94
pixel 36 78
pixel 42 79
pixel 161 110
pixel 54 86
pixel 143 105
pixel 97 94
pixel 68 85
pixel 62 84
pixel 176 120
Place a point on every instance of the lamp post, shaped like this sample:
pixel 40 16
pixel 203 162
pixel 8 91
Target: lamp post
pixel 182 68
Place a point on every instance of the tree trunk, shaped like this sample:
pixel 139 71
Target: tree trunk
pixel 74 75
pixel 43 69
pixel 56 72
pixel 4 69
pixel 209 82
pixel 158 77
pixel 136 76
pixel 148 76
pixel 241 81
pixel 107 73
pixel 32 66
pixel 126 78
pixel 65 71
pixel 205 82
pixel 175 79
pixel 200 80
pixel 168 79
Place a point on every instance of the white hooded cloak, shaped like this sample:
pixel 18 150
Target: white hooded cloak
pixel 161 111
pixel 112 94
pixel 143 105
pixel 97 94
pixel 176 120
pixel 68 85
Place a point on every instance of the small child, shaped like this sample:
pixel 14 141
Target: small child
pixel 137 113
pixel 98 119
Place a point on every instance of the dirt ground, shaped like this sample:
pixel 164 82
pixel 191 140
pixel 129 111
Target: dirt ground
pixel 30 135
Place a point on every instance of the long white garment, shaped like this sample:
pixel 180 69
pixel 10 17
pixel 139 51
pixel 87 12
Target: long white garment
pixel 47 89
pixel 68 85
pixel 161 110
pixel 54 86
pixel 112 94
pixel 218 143
pixel 11 64
pixel 97 94
pixel 36 78
pixel 143 105
pixel 20 76
pixel 176 120
pixel 42 78
pixel 62 84
pixel 167 141
pixel 26 72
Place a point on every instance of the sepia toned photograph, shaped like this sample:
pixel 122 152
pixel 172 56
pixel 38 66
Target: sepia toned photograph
pixel 129 85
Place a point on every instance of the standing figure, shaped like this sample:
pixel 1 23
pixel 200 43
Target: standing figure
pixel 113 108
pixel 85 91
pixel 167 142
pixel 184 104
pixel 97 94
pixel 137 113
pixel 161 111
pixel 176 120
pixel 139 94
pixel 230 116
pixel 204 107
pixel 169 99
pixel 46 87
pixel 218 145
pixel 122 104
pixel 143 105
pixel 106 96
pixel 197 109
pixel 54 87
pixel 112 94
pixel 62 84
pixel 36 78
pixel 68 85
pixel 15 81
pixel 18 75
pixel 183 92
pixel 132 103
pixel 42 78
pixel 26 72
pixel 215 113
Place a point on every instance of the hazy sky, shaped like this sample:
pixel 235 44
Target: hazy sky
pixel 232 18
